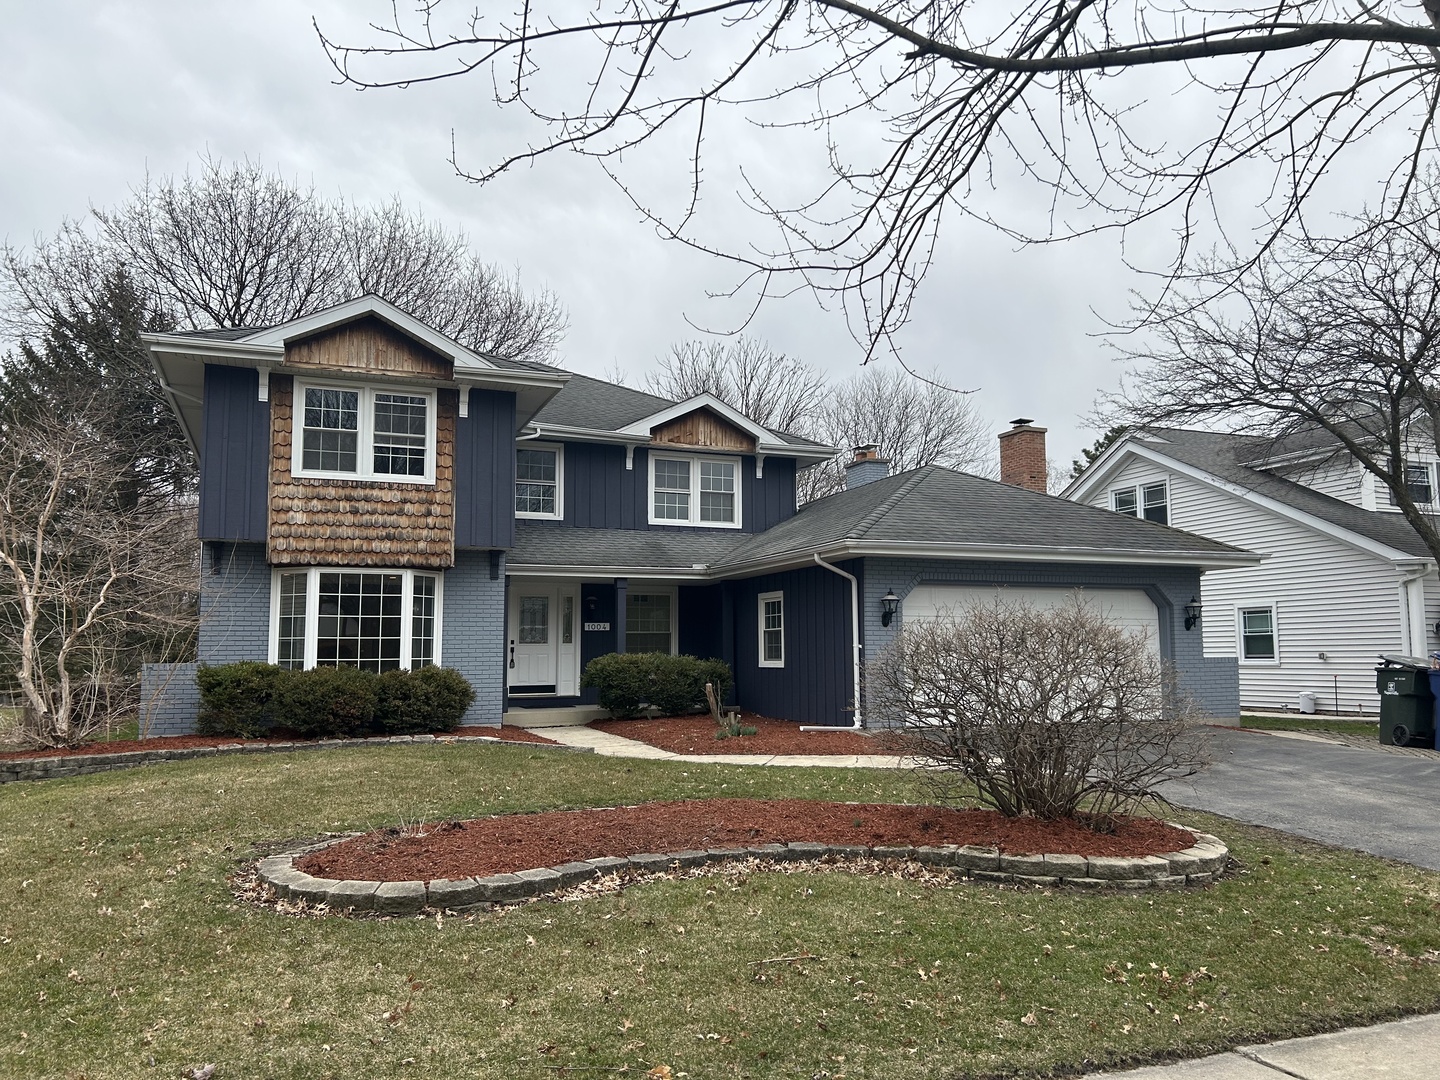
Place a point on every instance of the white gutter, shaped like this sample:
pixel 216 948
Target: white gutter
pixel 855 640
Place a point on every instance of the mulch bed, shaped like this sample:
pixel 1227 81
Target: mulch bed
pixel 190 742
pixel 505 844
pixel 696 735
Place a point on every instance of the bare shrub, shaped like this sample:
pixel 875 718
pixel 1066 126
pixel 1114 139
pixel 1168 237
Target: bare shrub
pixel 1051 713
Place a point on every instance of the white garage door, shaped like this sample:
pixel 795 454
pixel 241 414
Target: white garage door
pixel 1129 608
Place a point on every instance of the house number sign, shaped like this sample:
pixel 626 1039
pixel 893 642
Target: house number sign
pixel 597 626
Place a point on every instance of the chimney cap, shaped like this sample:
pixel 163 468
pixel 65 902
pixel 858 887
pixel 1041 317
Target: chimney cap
pixel 867 452
pixel 1021 421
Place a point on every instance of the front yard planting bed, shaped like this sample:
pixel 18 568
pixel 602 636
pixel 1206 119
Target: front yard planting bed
pixel 502 845
pixel 696 735
pixel 126 954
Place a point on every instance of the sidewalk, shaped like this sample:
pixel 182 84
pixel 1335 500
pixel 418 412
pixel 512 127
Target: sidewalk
pixel 1402 1050
pixel 608 745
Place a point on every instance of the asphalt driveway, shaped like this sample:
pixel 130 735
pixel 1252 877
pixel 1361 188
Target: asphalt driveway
pixel 1384 803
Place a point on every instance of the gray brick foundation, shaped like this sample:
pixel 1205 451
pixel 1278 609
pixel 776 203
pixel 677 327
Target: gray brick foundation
pixel 473 631
pixel 169 700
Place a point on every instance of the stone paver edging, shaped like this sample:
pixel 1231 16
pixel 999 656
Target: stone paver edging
pixel 1199 864
pixel 50 768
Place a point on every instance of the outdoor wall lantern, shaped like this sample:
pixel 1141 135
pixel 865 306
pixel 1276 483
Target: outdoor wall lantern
pixel 1192 614
pixel 889 605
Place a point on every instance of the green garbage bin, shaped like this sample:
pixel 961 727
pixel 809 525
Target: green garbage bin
pixel 1407 707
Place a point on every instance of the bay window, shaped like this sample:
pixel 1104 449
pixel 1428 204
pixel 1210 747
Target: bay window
pixel 694 490
pixel 364 433
pixel 377 620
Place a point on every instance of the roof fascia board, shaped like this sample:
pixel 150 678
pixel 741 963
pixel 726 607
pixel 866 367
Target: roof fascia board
pixel 241 354
pixel 579 434
pixel 702 401
pixel 992 553
pixel 1275 506
pixel 382 310
pixel 590 573
pixel 170 396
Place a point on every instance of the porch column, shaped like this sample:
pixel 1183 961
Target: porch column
pixel 622 585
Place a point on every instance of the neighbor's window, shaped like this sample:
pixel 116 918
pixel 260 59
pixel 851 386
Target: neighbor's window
pixel 365 433
pixel 375 620
pixel 537 482
pixel 1123 501
pixel 1417 484
pixel 772 629
pixel 649 621
pixel 1155 503
pixel 1257 633
pixel 694 491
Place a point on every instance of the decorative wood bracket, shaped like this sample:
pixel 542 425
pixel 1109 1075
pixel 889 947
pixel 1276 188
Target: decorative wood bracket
pixel 264 372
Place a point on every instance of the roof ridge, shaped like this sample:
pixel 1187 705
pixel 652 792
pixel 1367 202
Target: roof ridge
pixel 870 520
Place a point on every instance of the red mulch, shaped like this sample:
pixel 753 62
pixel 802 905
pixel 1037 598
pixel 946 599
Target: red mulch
pixel 190 742
pixel 513 842
pixel 696 735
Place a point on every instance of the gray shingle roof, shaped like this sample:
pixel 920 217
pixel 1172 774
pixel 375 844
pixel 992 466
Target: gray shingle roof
pixel 233 334
pixel 1223 456
pixel 933 505
pixel 594 403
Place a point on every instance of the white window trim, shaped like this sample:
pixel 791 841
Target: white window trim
pixel 1258 605
pixel 365 440
pixel 312 608
pixel 694 522
pixel 651 590
pixel 1140 500
pixel 1134 490
pixel 1385 501
pixel 760 610
pixel 559 449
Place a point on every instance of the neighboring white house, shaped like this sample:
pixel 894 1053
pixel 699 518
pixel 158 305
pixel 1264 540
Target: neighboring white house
pixel 1344 577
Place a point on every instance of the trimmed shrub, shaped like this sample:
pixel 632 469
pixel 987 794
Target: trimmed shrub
pixel 326 701
pixel 419 702
pixel 628 682
pixel 236 699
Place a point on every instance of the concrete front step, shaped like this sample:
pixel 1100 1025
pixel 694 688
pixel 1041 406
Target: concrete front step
pixel 565 716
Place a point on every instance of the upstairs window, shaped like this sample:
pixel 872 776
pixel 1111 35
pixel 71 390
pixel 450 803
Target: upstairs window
pixel 364 433
pixel 694 491
pixel 1149 501
pixel 538 479
pixel 1418 484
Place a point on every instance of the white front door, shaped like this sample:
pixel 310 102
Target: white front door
pixel 541 647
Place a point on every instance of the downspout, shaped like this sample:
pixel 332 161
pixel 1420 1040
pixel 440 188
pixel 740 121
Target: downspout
pixel 1414 611
pixel 855 645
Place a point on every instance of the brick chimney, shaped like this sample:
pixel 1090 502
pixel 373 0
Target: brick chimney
pixel 866 466
pixel 1022 455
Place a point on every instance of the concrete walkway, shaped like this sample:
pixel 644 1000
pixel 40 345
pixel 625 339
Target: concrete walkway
pixel 608 745
pixel 1403 1050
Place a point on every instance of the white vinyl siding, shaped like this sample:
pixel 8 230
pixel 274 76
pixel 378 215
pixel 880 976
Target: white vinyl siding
pixel 1331 598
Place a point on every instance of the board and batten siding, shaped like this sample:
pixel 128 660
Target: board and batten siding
pixel 485 471
pixel 1330 598
pixel 600 493
pixel 234 456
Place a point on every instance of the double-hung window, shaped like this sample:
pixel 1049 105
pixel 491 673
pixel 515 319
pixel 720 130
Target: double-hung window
pixel 1257 634
pixel 539 477
pixel 650 622
pixel 377 620
pixel 772 629
pixel 1148 501
pixel 364 433
pixel 694 490
pixel 1418 485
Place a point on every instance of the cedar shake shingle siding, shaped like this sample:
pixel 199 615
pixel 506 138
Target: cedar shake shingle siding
pixel 359 523
pixel 368 347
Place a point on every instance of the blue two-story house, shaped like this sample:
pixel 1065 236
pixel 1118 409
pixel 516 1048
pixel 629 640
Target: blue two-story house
pixel 372 493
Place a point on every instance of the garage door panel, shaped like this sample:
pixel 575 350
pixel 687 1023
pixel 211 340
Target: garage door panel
pixel 1129 608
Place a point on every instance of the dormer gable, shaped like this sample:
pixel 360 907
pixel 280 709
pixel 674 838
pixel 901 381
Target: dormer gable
pixel 703 429
pixel 367 346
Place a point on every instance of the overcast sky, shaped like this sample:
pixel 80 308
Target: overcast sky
pixel 94 93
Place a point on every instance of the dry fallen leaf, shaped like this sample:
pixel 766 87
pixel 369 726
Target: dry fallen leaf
pixel 1029 1019
pixel 660 1072
pixel 200 1072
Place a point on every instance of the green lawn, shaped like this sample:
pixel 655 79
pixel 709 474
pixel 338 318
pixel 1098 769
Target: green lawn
pixel 124 954
pixel 1313 723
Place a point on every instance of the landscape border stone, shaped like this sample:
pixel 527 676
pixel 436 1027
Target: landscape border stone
pixel 1199 864
pixel 13 770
